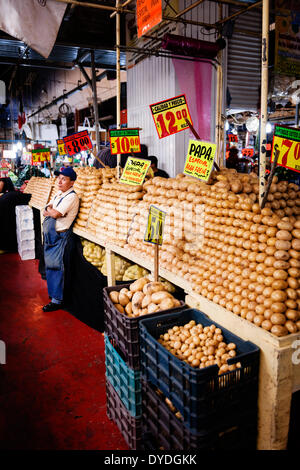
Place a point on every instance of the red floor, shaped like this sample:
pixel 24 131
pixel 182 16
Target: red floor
pixel 52 387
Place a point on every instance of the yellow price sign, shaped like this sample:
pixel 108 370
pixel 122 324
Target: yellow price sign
pixel 40 155
pixel 61 147
pixel 170 116
pixel 124 141
pixel 200 159
pixel 287 141
pixel 155 226
pixel 135 171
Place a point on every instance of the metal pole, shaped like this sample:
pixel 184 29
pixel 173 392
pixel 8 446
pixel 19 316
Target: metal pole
pixel 118 68
pixel 264 99
pixel 95 101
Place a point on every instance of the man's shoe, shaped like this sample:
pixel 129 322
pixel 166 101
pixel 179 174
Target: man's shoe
pixel 51 307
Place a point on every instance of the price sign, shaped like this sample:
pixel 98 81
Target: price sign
pixel 247 152
pixel 135 171
pixel 232 138
pixel 200 159
pixel 148 15
pixel 78 142
pixel 155 226
pixel 170 116
pixel 124 141
pixel 61 147
pixel 40 156
pixel 287 141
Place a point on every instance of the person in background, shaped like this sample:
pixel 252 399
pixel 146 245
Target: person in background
pixel 157 171
pixel 59 214
pixel 111 160
pixel 46 170
pixel 6 185
pixel 233 158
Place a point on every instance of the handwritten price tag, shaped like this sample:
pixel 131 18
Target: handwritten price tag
pixel 135 171
pixel 124 141
pixel 170 116
pixel 287 141
pixel 40 155
pixel 78 142
pixel 200 159
pixel 155 226
pixel 61 147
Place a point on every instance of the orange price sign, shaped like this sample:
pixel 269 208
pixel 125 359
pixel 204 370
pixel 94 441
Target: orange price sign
pixel 148 15
pixel 247 152
pixel 170 116
pixel 287 141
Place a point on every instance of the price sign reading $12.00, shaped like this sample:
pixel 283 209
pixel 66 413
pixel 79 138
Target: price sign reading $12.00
pixel 155 226
pixel 124 141
pixel 78 142
pixel 287 141
pixel 170 116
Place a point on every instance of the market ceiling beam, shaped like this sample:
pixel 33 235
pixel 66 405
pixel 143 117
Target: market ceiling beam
pixel 240 12
pixel 94 5
pixel 121 8
pixel 37 63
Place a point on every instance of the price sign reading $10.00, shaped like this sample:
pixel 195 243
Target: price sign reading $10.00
pixel 170 116
pixel 124 141
pixel 155 226
pixel 287 141
pixel 78 142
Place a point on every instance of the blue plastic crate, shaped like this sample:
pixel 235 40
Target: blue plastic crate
pixel 126 381
pixel 201 395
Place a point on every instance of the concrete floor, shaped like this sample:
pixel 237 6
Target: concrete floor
pixel 52 387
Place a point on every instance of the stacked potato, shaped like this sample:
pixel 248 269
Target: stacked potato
pixel 200 346
pixel 40 190
pixel 143 297
pixel 86 186
pixel 110 216
pixel 93 253
pixel 30 185
pixel 227 248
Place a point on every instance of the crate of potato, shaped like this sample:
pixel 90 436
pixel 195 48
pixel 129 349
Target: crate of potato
pixel 125 305
pixel 207 372
pixel 163 428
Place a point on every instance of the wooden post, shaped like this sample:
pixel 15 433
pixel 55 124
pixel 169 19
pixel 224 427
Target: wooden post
pixel 271 175
pixel 95 100
pixel 264 99
pixel 118 69
pixel 110 267
pixel 156 262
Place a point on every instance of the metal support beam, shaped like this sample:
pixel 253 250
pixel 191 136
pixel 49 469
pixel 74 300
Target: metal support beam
pixel 118 90
pixel 95 101
pixel 84 73
pixel 94 5
pixel 240 12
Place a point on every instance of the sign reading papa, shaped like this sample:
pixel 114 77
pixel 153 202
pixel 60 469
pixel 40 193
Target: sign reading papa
pixel 200 159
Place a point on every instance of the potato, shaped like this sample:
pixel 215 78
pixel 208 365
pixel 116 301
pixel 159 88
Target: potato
pixel 123 299
pixel 114 296
pixel 158 297
pixel 166 304
pixel 120 308
pixel 278 319
pixel 151 287
pixel 137 299
pixel 279 330
pixel 138 284
pixel 128 308
pixel 152 308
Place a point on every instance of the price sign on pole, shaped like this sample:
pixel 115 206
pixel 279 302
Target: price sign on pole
pixel 287 141
pixel 124 141
pixel 78 142
pixel 155 226
pixel 247 152
pixel 61 147
pixel 200 159
pixel 135 171
pixel 170 116
pixel 40 156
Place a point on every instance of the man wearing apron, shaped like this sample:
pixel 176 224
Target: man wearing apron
pixel 59 215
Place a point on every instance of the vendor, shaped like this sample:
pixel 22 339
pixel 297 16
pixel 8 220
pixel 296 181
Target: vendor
pixel 6 185
pixel 157 171
pixel 59 215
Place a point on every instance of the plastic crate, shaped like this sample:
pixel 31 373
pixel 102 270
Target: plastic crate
pixel 24 212
pixel 124 330
pixel 24 224
pixel 131 428
pixel 26 254
pixel 126 381
pixel 26 245
pixel 162 430
pixel 25 234
pixel 201 395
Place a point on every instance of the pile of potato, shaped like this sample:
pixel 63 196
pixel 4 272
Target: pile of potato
pixel 87 184
pixel 40 189
pixel 93 253
pixel 143 297
pixel 200 346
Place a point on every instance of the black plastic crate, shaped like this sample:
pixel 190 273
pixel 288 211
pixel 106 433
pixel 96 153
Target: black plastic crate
pixel 163 430
pixel 124 330
pixel 130 427
pixel 200 395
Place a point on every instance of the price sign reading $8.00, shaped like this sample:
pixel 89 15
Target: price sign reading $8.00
pixel 155 226
pixel 78 142
pixel 287 141
pixel 170 116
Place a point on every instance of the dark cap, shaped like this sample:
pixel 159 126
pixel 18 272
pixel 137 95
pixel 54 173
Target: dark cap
pixel 68 172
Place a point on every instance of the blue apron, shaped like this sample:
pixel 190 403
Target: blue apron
pixel 54 247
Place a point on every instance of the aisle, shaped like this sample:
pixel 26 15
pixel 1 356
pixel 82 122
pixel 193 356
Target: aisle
pixel 52 388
